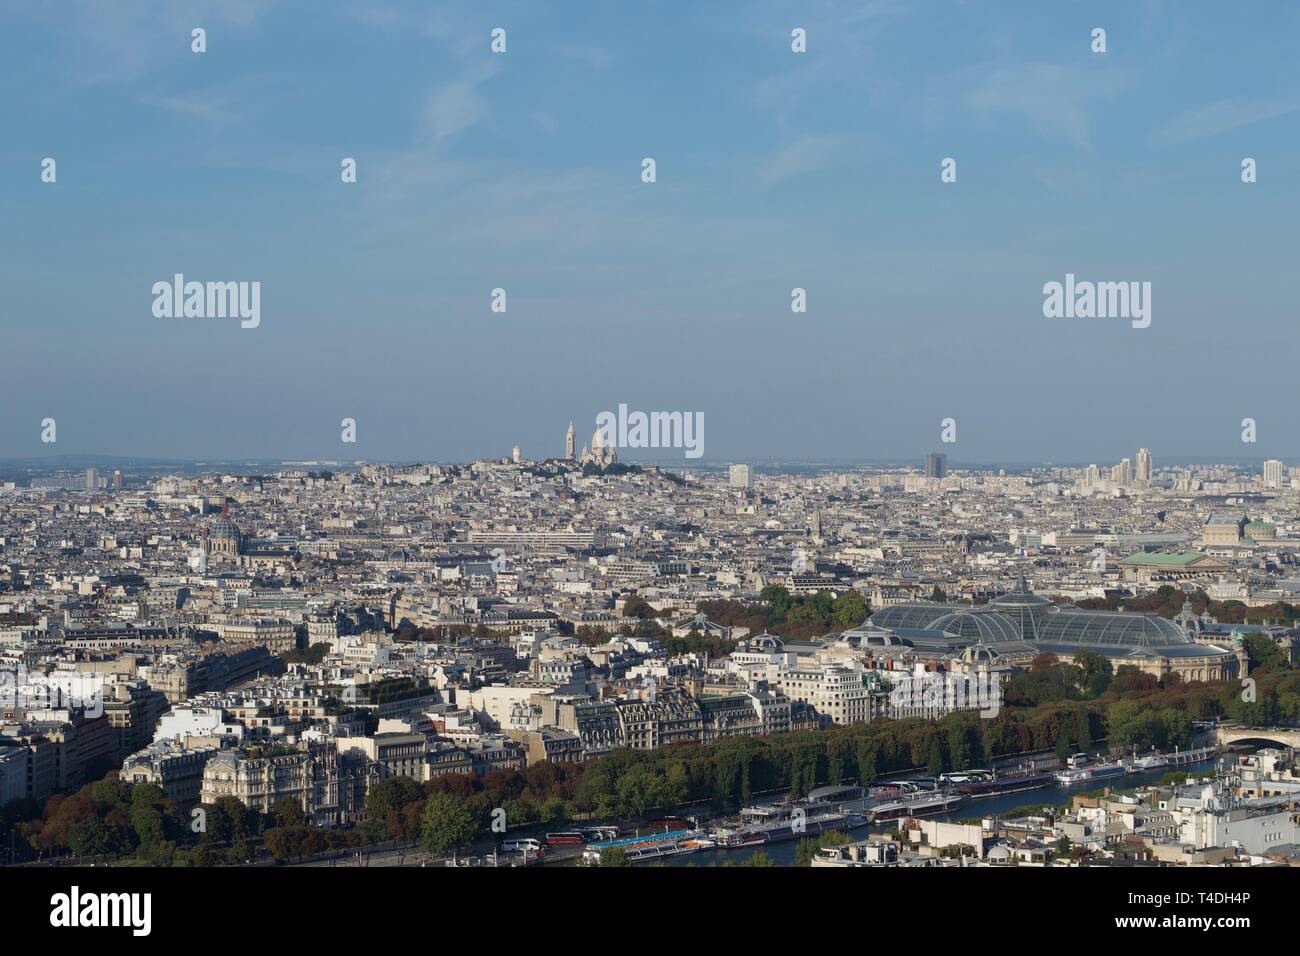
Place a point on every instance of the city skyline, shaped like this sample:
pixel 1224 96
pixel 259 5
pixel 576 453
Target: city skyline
pixel 670 458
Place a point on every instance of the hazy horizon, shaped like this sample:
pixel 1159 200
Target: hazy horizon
pixel 771 464
pixel 522 170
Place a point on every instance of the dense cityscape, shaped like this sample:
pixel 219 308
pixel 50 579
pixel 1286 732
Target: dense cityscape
pixel 574 660
pixel 365 556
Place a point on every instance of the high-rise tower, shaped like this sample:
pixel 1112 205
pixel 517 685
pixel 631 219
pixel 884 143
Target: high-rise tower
pixel 1144 467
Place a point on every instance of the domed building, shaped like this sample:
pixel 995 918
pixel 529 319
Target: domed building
pixel 1020 625
pixel 868 637
pixel 599 455
pixel 1023 608
pixel 224 537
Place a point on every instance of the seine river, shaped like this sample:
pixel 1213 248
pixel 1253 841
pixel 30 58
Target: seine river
pixel 783 853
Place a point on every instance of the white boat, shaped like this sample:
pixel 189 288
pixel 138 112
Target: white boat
pixel 1068 778
pixel 1150 762
pixel 1076 775
pixel 770 823
pixel 652 847
pixel 914 805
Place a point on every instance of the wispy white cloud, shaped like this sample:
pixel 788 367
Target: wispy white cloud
pixel 843 43
pixel 455 106
pixel 118 41
pixel 807 153
pixel 1055 100
pixel 223 106
pixel 1222 116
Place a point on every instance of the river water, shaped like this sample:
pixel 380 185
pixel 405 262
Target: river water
pixel 783 853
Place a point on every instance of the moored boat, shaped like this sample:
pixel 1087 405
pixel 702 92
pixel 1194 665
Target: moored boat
pixel 1077 775
pixel 1107 770
pixel 775 822
pixel 1068 778
pixel 919 805
pixel 1150 762
pixel 1011 783
pixel 651 846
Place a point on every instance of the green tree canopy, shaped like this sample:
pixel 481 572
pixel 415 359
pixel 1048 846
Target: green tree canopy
pixel 447 823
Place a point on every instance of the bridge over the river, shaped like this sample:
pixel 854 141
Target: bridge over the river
pixel 1261 736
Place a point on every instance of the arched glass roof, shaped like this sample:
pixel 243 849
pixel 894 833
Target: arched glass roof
pixel 1025 617
pixel 1110 628
pixel 1030 620
pixel 981 627
pixel 917 615
pixel 971 624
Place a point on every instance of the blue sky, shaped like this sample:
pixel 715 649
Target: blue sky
pixel 522 171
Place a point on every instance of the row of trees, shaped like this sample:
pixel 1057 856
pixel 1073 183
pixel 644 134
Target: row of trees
pixel 1273 697
pixel 457 809
pixel 779 613
pixel 1048 679
pixel 789 616
pixel 1167 601
pixel 111 818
